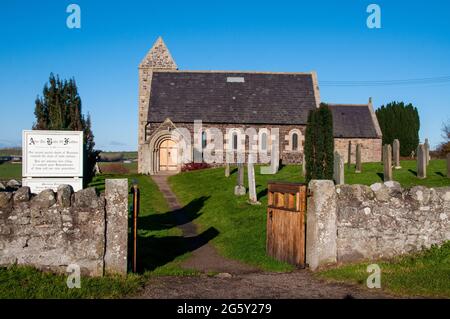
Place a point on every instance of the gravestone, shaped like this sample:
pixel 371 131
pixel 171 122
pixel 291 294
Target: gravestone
pixel 227 170
pixel 427 152
pixel 303 164
pixel 387 162
pixel 239 190
pixel 274 161
pixel 253 199
pixel 338 169
pixel 421 161
pixel 448 165
pixel 396 150
pixel 349 159
pixel 358 159
pixel 413 154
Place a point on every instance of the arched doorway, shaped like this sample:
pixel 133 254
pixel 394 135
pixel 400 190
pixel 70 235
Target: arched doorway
pixel 168 156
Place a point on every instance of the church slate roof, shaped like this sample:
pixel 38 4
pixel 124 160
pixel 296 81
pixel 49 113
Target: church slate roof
pixel 353 121
pixel 231 97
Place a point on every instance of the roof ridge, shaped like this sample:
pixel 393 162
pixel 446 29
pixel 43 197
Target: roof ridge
pixel 226 71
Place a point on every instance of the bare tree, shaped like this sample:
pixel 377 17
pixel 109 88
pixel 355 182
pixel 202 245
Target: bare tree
pixel 446 130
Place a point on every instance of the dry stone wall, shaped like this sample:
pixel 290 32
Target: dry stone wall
pixel 53 230
pixel 385 220
pixel 367 223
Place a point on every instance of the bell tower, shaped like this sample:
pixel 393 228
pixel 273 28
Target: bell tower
pixel 157 59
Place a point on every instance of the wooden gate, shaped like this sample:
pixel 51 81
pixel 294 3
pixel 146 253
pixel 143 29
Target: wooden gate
pixel 286 222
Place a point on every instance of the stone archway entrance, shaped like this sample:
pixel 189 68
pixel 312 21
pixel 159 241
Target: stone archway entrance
pixel 168 156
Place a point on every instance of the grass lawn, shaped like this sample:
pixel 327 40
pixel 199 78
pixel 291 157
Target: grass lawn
pixel 242 227
pixel 29 283
pixel 10 171
pixel 423 274
pixel 406 176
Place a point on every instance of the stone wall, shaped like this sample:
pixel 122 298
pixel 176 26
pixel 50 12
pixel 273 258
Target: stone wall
pixel 53 230
pixel 370 152
pixel 380 221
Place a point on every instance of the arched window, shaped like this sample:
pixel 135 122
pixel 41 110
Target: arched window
pixel 204 140
pixel 235 142
pixel 295 142
pixel 264 141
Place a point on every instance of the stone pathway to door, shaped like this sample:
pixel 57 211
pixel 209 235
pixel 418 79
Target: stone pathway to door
pixel 237 280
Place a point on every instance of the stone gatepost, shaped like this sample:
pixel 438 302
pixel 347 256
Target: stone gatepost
pixel 448 165
pixel 427 152
pixel 253 199
pixel 396 150
pixel 421 161
pixel 239 190
pixel 116 197
pixel 387 162
pixel 338 169
pixel 321 221
pixel 349 159
pixel 358 159
pixel 227 170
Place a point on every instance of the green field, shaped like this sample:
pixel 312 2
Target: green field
pixel 10 171
pixel 422 274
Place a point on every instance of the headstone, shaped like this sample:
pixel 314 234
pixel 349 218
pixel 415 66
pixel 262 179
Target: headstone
pixel 303 164
pixel 358 159
pixel 387 162
pixel 338 169
pixel 274 161
pixel 421 161
pixel 448 165
pixel 427 151
pixel 253 199
pixel 413 154
pixel 239 190
pixel 227 170
pixel 396 150
pixel 349 159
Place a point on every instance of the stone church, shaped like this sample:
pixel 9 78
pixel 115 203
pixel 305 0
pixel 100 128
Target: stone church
pixel 231 101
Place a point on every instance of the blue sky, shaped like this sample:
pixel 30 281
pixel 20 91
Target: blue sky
pixel 330 37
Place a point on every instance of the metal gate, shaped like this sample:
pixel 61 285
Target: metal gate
pixel 286 222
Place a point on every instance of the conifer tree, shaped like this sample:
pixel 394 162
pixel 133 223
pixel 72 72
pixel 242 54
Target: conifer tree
pixel 59 108
pixel 319 144
pixel 400 121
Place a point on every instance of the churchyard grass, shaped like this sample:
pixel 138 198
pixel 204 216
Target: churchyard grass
pixel 242 227
pixel 422 274
pixel 406 176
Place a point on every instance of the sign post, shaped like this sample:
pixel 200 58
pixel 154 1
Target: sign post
pixel 52 158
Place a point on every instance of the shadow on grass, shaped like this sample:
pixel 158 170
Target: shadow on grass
pixel 381 176
pixel 440 174
pixel 262 193
pixel 412 172
pixel 174 218
pixel 154 252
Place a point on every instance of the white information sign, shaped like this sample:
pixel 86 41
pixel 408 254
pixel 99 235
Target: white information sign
pixel 37 185
pixel 52 154
pixel 52 158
